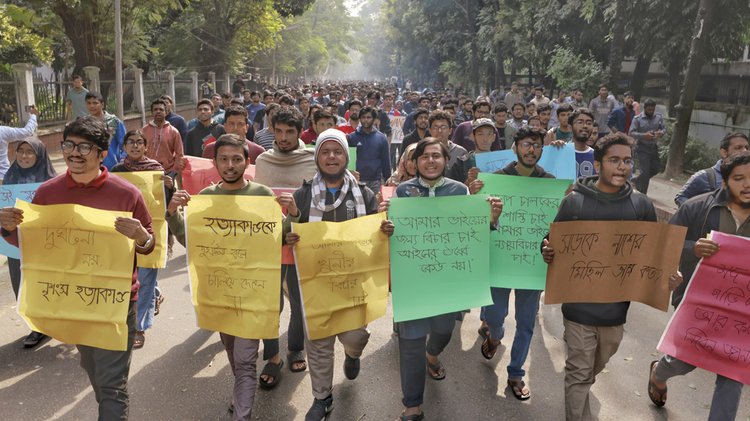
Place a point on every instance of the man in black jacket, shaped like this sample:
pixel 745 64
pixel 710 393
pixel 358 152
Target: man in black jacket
pixel 593 331
pixel 725 210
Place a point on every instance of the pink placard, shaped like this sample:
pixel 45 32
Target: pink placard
pixel 200 173
pixel 711 327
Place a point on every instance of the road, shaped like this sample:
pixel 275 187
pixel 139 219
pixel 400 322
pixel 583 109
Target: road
pixel 182 373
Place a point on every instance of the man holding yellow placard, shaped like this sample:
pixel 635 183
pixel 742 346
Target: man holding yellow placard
pixel 333 195
pixel 231 158
pixel 88 183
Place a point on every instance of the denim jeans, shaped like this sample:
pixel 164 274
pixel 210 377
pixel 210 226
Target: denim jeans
pixel 527 305
pixel 146 298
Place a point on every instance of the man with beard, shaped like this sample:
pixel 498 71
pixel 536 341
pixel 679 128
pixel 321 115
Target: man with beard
pixel 163 140
pixel 582 123
pixel 254 106
pixel 230 159
pixel 621 117
pixel 373 154
pixel 354 106
pixel 600 107
pixel 517 111
pixel 421 120
pixel 424 102
pixel 527 145
pixel 235 122
pixel 647 129
pixel 593 331
pixel 725 210
pixel 205 132
pixel 332 195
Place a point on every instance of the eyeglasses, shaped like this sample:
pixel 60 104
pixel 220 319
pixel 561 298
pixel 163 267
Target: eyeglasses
pixel 83 148
pixel 528 145
pixel 135 142
pixel 440 128
pixel 615 162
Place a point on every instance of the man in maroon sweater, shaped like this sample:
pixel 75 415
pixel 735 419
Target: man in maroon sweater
pixel 88 183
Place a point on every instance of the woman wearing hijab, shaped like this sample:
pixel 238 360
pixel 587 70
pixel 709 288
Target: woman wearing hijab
pixel 32 165
pixel 135 147
pixel 406 170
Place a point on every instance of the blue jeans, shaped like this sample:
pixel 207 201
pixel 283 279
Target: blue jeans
pixel 146 302
pixel 527 305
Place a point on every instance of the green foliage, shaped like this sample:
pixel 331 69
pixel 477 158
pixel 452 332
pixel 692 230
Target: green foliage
pixel 19 40
pixel 572 71
pixel 698 155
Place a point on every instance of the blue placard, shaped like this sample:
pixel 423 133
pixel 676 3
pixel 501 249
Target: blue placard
pixel 8 195
pixel 560 162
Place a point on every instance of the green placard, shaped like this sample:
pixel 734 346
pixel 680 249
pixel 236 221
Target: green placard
pixel 529 207
pixel 439 255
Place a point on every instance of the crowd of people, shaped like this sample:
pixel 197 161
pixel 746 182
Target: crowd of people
pixel 425 145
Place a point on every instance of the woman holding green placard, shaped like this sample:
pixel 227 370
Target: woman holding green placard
pixel 421 341
pixel 32 165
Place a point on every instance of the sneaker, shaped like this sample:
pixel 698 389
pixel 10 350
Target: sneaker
pixel 320 409
pixel 351 367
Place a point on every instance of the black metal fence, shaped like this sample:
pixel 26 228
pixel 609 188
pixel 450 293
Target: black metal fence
pixel 8 103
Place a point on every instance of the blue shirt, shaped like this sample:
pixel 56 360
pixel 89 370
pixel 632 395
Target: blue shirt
pixel 585 163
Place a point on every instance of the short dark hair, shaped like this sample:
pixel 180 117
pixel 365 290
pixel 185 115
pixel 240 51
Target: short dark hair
pixel 76 77
pixel 373 94
pixel 205 101
pixel 286 99
pixel 543 107
pixel 627 93
pixel 649 102
pixel 518 104
pixel 253 93
pixel 423 98
pixel 603 85
pixel 449 106
pixel 321 115
pixel 728 139
pixel 734 160
pixel 290 117
pixel 419 111
pixel 229 139
pixel 269 108
pixel 424 143
pixel 226 95
pixel 167 98
pixel 236 101
pixel 158 101
pixel 235 110
pixel 95 95
pixel 440 115
pixel 539 88
pixel 89 128
pixel 612 139
pixel 136 132
pixel 368 110
pixel 564 108
pixel 478 104
pixel 500 108
pixel 354 102
pixel 529 132
pixel 577 113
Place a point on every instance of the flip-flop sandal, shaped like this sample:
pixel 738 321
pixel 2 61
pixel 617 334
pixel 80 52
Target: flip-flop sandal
pixel 139 340
pixel 657 395
pixel 271 370
pixel 157 306
pixel 412 417
pixel 489 348
pixel 296 358
pixel 436 371
pixel 516 387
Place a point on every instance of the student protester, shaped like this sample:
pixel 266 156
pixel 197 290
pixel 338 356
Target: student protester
pixel 12 134
pixel 620 118
pixel 440 128
pixel 647 129
pixel 355 106
pixel 563 131
pixel 87 182
pixel 163 140
pixel 484 134
pixel 462 134
pixel 504 130
pixel 418 354
pixel 600 108
pixel 373 152
pixel 421 122
pixel 177 121
pixel 527 145
pixel 236 122
pixel 544 112
pixel 725 210
pixel 95 106
pixel 32 165
pixel 205 132
pixel 322 120
pixel 264 137
pixel 517 111
pixel 231 157
pixel 136 160
pixel 582 123
pixel 593 331
pixel 326 198
pixel 710 179
pixel 406 169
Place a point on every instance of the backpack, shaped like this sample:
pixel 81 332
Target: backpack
pixel 711 178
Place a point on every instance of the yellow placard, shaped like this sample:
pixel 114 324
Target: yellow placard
pixel 151 185
pixel 343 274
pixel 76 274
pixel 234 260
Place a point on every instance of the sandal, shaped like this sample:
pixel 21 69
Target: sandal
pixel 484 331
pixel 412 417
pixel 657 395
pixel 519 389
pixel 436 371
pixel 159 300
pixel 274 372
pixel 140 339
pixel 296 360
pixel 489 348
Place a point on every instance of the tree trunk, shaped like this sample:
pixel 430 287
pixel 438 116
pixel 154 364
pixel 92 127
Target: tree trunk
pixel 82 28
pixel 640 74
pixel 471 27
pixel 499 65
pixel 616 52
pixel 674 68
pixel 698 47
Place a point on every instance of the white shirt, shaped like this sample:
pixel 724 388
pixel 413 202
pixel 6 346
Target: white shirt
pixel 12 134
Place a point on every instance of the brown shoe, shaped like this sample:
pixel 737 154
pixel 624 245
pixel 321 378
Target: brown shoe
pixel 140 339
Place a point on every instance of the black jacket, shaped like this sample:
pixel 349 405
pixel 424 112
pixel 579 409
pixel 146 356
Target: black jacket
pixel 586 203
pixel 510 169
pixel 303 197
pixel 700 214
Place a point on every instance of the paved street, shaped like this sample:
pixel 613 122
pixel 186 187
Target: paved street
pixel 182 373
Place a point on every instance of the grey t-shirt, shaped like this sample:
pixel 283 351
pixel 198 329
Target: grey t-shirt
pixel 78 99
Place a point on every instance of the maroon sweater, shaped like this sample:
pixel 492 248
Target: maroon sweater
pixel 106 193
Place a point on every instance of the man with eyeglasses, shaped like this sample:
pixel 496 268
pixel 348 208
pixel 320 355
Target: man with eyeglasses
pixel 87 182
pixel 440 128
pixel 593 331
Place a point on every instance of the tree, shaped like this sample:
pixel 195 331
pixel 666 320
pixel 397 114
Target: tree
pixel 19 43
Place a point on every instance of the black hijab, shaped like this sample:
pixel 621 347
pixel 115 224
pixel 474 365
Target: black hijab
pixel 42 169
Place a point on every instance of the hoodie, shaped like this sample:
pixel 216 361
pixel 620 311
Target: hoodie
pixel 587 203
